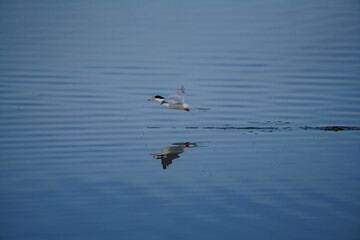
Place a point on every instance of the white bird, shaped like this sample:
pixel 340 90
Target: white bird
pixel 176 101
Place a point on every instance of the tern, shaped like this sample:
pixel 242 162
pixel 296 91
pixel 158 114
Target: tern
pixel 176 101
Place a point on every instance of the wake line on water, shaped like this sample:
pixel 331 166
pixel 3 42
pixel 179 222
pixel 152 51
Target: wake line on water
pixel 270 129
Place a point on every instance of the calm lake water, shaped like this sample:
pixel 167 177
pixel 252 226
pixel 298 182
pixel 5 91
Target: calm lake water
pixel 84 155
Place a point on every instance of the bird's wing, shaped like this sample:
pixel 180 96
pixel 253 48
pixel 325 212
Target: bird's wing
pixel 178 97
pixel 181 91
pixel 175 101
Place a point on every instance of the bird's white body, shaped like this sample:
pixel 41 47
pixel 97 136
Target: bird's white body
pixel 175 101
pixel 176 106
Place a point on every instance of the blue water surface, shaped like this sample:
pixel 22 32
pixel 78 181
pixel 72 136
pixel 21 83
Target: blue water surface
pixel 84 155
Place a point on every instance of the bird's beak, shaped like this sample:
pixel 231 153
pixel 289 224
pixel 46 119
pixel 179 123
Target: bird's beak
pixel 151 99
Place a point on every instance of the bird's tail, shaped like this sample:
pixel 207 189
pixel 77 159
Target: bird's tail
pixel 200 109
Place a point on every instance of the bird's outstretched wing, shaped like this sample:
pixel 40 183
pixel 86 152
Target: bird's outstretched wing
pixel 181 91
pixel 178 97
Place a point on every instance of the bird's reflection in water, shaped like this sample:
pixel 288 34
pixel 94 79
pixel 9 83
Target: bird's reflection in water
pixel 168 154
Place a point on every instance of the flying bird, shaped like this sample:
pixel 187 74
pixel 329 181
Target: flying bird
pixel 176 101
